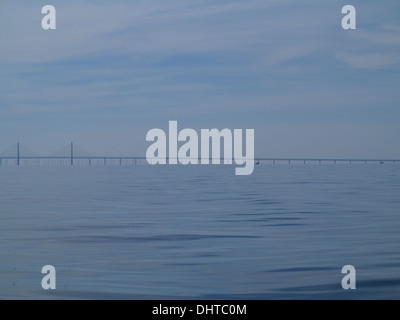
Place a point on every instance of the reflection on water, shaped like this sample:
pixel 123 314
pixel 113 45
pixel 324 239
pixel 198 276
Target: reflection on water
pixel 141 232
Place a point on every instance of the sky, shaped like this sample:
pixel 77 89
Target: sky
pixel 113 70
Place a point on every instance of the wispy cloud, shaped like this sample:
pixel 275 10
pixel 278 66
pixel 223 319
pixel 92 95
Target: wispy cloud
pixel 373 61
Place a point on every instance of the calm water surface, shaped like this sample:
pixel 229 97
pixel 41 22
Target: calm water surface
pixel 142 232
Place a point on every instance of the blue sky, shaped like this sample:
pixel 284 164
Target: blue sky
pixel 115 69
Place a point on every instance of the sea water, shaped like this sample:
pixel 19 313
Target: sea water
pixel 200 232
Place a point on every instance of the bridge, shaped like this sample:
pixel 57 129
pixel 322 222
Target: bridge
pixel 14 156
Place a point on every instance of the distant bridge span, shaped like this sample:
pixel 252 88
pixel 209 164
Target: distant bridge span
pixel 72 159
pixel 142 160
